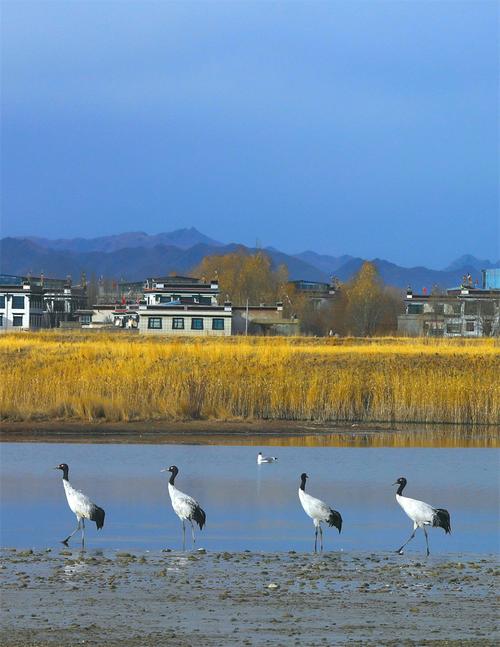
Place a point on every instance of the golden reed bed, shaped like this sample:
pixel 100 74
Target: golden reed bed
pixel 122 377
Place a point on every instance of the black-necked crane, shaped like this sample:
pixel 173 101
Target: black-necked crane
pixel 81 505
pixel 422 514
pixel 185 507
pixel 265 459
pixel 319 511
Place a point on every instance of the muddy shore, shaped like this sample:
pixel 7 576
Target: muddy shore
pixel 246 432
pixel 64 597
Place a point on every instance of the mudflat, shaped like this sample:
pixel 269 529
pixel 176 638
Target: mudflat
pixel 67 597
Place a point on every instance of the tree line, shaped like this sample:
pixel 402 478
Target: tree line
pixel 363 306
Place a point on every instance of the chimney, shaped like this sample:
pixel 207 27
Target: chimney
pixel 227 306
pixel 214 283
pixel 279 306
pixel 409 292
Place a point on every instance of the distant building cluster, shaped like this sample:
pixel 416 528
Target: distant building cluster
pixel 464 311
pixel 184 305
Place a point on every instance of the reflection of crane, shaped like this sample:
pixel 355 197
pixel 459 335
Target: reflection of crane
pixel 318 511
pixel 81 505
pixel 185 507
pixel 422 514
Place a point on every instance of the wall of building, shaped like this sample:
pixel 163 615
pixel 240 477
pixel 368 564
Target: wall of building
pixel 167 323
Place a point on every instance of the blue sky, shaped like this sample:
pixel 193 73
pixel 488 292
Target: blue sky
pixel 364 128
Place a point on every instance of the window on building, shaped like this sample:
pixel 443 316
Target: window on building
pixel 438 308
pixel 2 301
pixel 154 322
pixel 1 321
pixel 17 320
pixel 456 308
pixel 470 308
pixel 415 308
pixel 453 328
pixel 217 324
pixel 86 319
pixel 18 304
pixel 470 326
pixel 487 308
pixel 196 323
pixel 178 323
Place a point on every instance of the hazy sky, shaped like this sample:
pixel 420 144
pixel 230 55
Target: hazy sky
pixel 364 128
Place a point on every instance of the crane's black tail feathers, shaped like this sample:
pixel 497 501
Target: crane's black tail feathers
pixel 442 520
pixel 199 516
pixel 97 515
pixel 335 520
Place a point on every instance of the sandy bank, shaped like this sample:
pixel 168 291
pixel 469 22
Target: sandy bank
pixel 170 598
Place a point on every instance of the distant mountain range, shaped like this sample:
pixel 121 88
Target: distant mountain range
pixel 132 256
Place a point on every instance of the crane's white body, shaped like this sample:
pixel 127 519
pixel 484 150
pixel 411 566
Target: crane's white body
pixel 184 505
pixel 265 459
pixel 421 513
pixel 78 502
pixel 315 508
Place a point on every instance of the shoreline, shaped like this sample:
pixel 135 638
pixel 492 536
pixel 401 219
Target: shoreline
pixel 245 432
pixel 219 599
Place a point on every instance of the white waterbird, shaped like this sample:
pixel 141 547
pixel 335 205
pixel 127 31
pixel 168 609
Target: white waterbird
pixel 318 511
pixel 81 505
pixel 265 459
pixel 422 514
pixel 185 507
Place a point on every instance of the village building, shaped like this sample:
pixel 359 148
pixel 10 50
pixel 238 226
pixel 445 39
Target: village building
pixel 263 320
pixel 33 303
pixel 464 311
pixel 183 305
pixel 317 292
pixel 109 316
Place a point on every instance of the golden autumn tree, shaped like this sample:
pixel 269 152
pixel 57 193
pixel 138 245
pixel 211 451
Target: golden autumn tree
pixel 369 307
pixel 245 276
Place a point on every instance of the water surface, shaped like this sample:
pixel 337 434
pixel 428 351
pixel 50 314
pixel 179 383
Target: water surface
pixel 249 506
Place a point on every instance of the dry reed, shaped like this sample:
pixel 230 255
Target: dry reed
pixel 124 377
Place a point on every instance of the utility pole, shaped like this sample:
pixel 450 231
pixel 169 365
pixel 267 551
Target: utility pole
pixel 246 320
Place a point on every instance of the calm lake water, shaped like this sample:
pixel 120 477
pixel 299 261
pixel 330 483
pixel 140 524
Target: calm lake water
pixel 249 506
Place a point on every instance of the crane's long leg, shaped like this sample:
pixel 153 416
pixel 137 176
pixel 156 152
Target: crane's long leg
pixel 316 539
pixel 427 542
pixel 83 534
pixel 321 538
pixel 192 531
pixel 183 535
pixel 400 550
pixel 65 541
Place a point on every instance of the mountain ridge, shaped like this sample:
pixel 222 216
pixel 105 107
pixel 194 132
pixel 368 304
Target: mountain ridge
pixel 134 255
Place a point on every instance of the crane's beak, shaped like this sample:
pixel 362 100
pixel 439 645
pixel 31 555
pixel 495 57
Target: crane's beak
pixel 164 470
pixel 56 468
pixel 395 483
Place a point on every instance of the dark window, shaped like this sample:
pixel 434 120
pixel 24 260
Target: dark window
pixel 453 328
pixel 18 303
pixel 154 322
pixel 2 301
pixel 1 320
pixel 438 308
pixel 415 308
pixel 206 301
pixel 456 308
pixel 178 323
pixel 470 308
pixel 217 324
pixel 196 323
pixel 487 308
pixel 17 320
pixel 469 326
pixel 86 319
